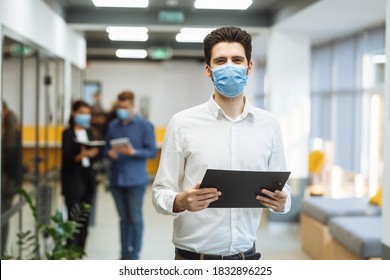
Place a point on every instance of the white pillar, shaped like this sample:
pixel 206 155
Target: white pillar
pixel 288 94
pixel 67 90
pixel 386 149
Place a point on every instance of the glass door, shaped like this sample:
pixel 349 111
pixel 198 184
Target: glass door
pixel 32 119
pixel 18 141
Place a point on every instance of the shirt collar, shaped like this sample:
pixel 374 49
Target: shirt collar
pixel 217 111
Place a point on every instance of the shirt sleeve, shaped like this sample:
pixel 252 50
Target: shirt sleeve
pixel 70 149
pixel 149 149
pixel 277 161
pixel 170 172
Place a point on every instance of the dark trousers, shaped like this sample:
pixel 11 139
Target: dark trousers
pixel 74 206
pixel 129 203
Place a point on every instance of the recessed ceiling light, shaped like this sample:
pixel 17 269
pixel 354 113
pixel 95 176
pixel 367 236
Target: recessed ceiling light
pixel 172 3
pixel 121 3
pixel 379 58
pixel 127 33
pixel 128 37
pixel 126 29
pixel 131 53
pixel 192 35
pixel 223 4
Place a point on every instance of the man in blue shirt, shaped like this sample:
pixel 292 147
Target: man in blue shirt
pixel 128 174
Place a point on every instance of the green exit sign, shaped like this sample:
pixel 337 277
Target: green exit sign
pixel 171 16
pixel 160 53
pixel 20 50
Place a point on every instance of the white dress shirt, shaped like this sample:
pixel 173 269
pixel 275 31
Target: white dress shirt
pixel 205 137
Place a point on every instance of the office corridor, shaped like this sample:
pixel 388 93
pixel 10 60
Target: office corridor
pixel 276 240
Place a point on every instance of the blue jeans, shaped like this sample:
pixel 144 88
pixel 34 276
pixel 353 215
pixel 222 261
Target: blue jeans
pixel 129 203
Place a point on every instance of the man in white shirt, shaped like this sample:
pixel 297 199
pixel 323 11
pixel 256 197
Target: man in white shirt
pixel 224 133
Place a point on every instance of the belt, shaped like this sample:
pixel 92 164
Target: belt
pixel 248 255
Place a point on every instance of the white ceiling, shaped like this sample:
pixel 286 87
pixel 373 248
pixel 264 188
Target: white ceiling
pixel 329 19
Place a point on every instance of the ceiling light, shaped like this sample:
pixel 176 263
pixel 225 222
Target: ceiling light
pixel 192 35
pixel 223 4
pixel 127 33
pixel 172 2
pixel 126 29
pixel 379 58
pixel 128 37
pixel 121 3
pixel 131 53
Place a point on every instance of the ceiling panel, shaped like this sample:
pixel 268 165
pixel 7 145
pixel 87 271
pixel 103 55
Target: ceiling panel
pixel 91 21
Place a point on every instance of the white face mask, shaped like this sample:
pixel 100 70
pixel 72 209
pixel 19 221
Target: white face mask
pixel 82 120
pixel 122 114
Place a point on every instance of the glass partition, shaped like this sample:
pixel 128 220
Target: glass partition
pixel 11 155
pixel 32 123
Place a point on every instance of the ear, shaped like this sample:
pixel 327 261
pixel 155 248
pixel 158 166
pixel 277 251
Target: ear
pixel 208 71
pixel 249 70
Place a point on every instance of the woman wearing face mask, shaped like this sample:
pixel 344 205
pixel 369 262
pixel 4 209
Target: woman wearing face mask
pixel 77 175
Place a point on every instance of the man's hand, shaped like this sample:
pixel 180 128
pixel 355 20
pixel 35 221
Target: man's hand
pixel 276 201
pixel 195 199
pixel 112 154
pixel 126 149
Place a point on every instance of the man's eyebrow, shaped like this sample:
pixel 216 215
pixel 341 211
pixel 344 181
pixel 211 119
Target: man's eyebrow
pixel 224 57
pixel 219 57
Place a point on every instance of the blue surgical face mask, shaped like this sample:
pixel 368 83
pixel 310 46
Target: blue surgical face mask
pixel 122 114
pixel 82 120
pixel 229 80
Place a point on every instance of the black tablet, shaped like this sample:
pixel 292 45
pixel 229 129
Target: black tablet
pixel 240 188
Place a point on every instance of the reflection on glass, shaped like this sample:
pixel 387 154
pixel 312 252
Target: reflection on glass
pixel 10 158
pixel 10 133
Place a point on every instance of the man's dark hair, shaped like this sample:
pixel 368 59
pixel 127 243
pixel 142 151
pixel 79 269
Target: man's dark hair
pixel 126 95
pixel 228 34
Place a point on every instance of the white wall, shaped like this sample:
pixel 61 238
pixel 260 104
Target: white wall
pixel 35 21
pixel 288 96
pixel 171 86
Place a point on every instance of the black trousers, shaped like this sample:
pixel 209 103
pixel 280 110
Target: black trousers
pixel 72 203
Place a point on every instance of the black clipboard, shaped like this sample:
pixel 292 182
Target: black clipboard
pixel 239 188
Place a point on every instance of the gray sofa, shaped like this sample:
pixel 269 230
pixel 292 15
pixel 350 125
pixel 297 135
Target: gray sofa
pixel 316 214
pixel 356 237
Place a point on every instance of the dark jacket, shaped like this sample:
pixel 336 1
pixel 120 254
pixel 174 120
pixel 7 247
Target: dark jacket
pixel 73 175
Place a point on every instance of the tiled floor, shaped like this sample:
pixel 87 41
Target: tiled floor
pixel 276 240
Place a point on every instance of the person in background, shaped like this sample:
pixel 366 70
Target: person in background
pixel 98 117
pixel 11 165
pixel 110 115
pixel 77 175
pixel 128 174
pixel 226 132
